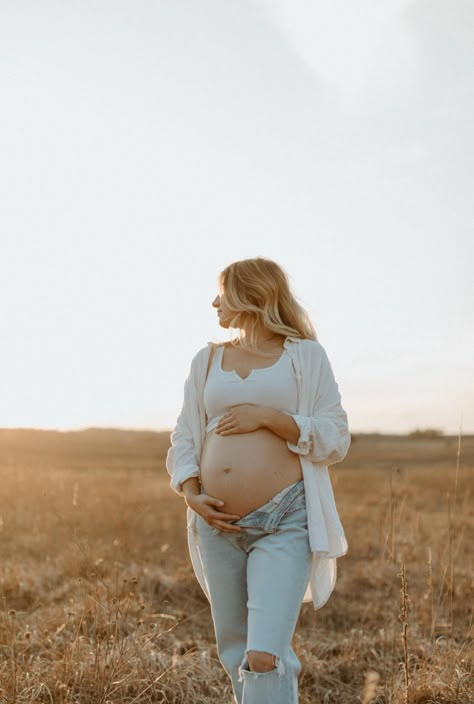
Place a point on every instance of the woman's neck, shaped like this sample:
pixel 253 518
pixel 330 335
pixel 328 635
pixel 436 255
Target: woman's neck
pixel 263 339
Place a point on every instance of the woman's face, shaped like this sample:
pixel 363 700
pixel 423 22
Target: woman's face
pixel 223 313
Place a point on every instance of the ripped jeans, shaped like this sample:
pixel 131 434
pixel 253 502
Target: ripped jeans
pixel 257 579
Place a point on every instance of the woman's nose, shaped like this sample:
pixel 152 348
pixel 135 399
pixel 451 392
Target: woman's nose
pixel 215 302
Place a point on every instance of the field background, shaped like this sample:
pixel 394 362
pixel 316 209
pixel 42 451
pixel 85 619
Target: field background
pixel 99 602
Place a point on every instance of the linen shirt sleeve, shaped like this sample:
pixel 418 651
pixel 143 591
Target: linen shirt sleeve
pixel 324 435
pixel 182 461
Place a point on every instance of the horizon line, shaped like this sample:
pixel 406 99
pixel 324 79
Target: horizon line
pixel 440 431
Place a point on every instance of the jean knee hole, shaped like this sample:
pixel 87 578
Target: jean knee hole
pixel 278 667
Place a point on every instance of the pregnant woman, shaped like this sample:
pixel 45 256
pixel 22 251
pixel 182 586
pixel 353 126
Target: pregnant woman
pixel 260 424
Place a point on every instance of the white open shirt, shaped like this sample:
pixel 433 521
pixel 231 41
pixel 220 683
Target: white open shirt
pixel 324 440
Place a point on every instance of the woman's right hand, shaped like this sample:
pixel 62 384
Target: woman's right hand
pixel 206 507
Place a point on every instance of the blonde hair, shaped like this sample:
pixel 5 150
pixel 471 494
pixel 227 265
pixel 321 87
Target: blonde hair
pixel 258 291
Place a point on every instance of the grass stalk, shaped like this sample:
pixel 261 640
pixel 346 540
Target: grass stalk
pixel 404 620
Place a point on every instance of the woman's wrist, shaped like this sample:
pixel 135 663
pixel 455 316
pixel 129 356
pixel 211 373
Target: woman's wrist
pixel 266 416
pixel 282 424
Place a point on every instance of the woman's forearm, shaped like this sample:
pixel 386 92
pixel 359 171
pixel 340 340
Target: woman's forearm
pixel 191 487
pixel 281 424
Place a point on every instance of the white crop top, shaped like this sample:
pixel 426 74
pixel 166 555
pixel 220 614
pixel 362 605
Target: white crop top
pixel 273 386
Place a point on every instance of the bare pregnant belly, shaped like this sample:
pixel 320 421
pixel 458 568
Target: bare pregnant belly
pixel 246 469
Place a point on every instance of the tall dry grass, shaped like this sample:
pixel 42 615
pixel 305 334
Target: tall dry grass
pixel 99 603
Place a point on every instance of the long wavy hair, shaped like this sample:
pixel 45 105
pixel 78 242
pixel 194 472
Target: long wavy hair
pixel 258 291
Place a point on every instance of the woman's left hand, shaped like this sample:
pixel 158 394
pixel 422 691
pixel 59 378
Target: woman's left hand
pixel 244 418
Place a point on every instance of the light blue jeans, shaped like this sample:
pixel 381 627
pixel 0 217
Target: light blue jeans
pixel 257 579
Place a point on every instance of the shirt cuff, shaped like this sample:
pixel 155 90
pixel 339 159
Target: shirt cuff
pixel 304 444
pixel 181 476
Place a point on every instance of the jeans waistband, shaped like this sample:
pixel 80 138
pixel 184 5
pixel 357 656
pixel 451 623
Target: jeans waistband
pixel 269 515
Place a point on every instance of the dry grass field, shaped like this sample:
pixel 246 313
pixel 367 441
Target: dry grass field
pixel 99 602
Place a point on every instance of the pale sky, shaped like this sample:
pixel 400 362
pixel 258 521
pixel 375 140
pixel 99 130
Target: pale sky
pixel 146 145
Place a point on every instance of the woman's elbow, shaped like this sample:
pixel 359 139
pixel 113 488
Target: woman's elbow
pixel 341 449
pixel 345 445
